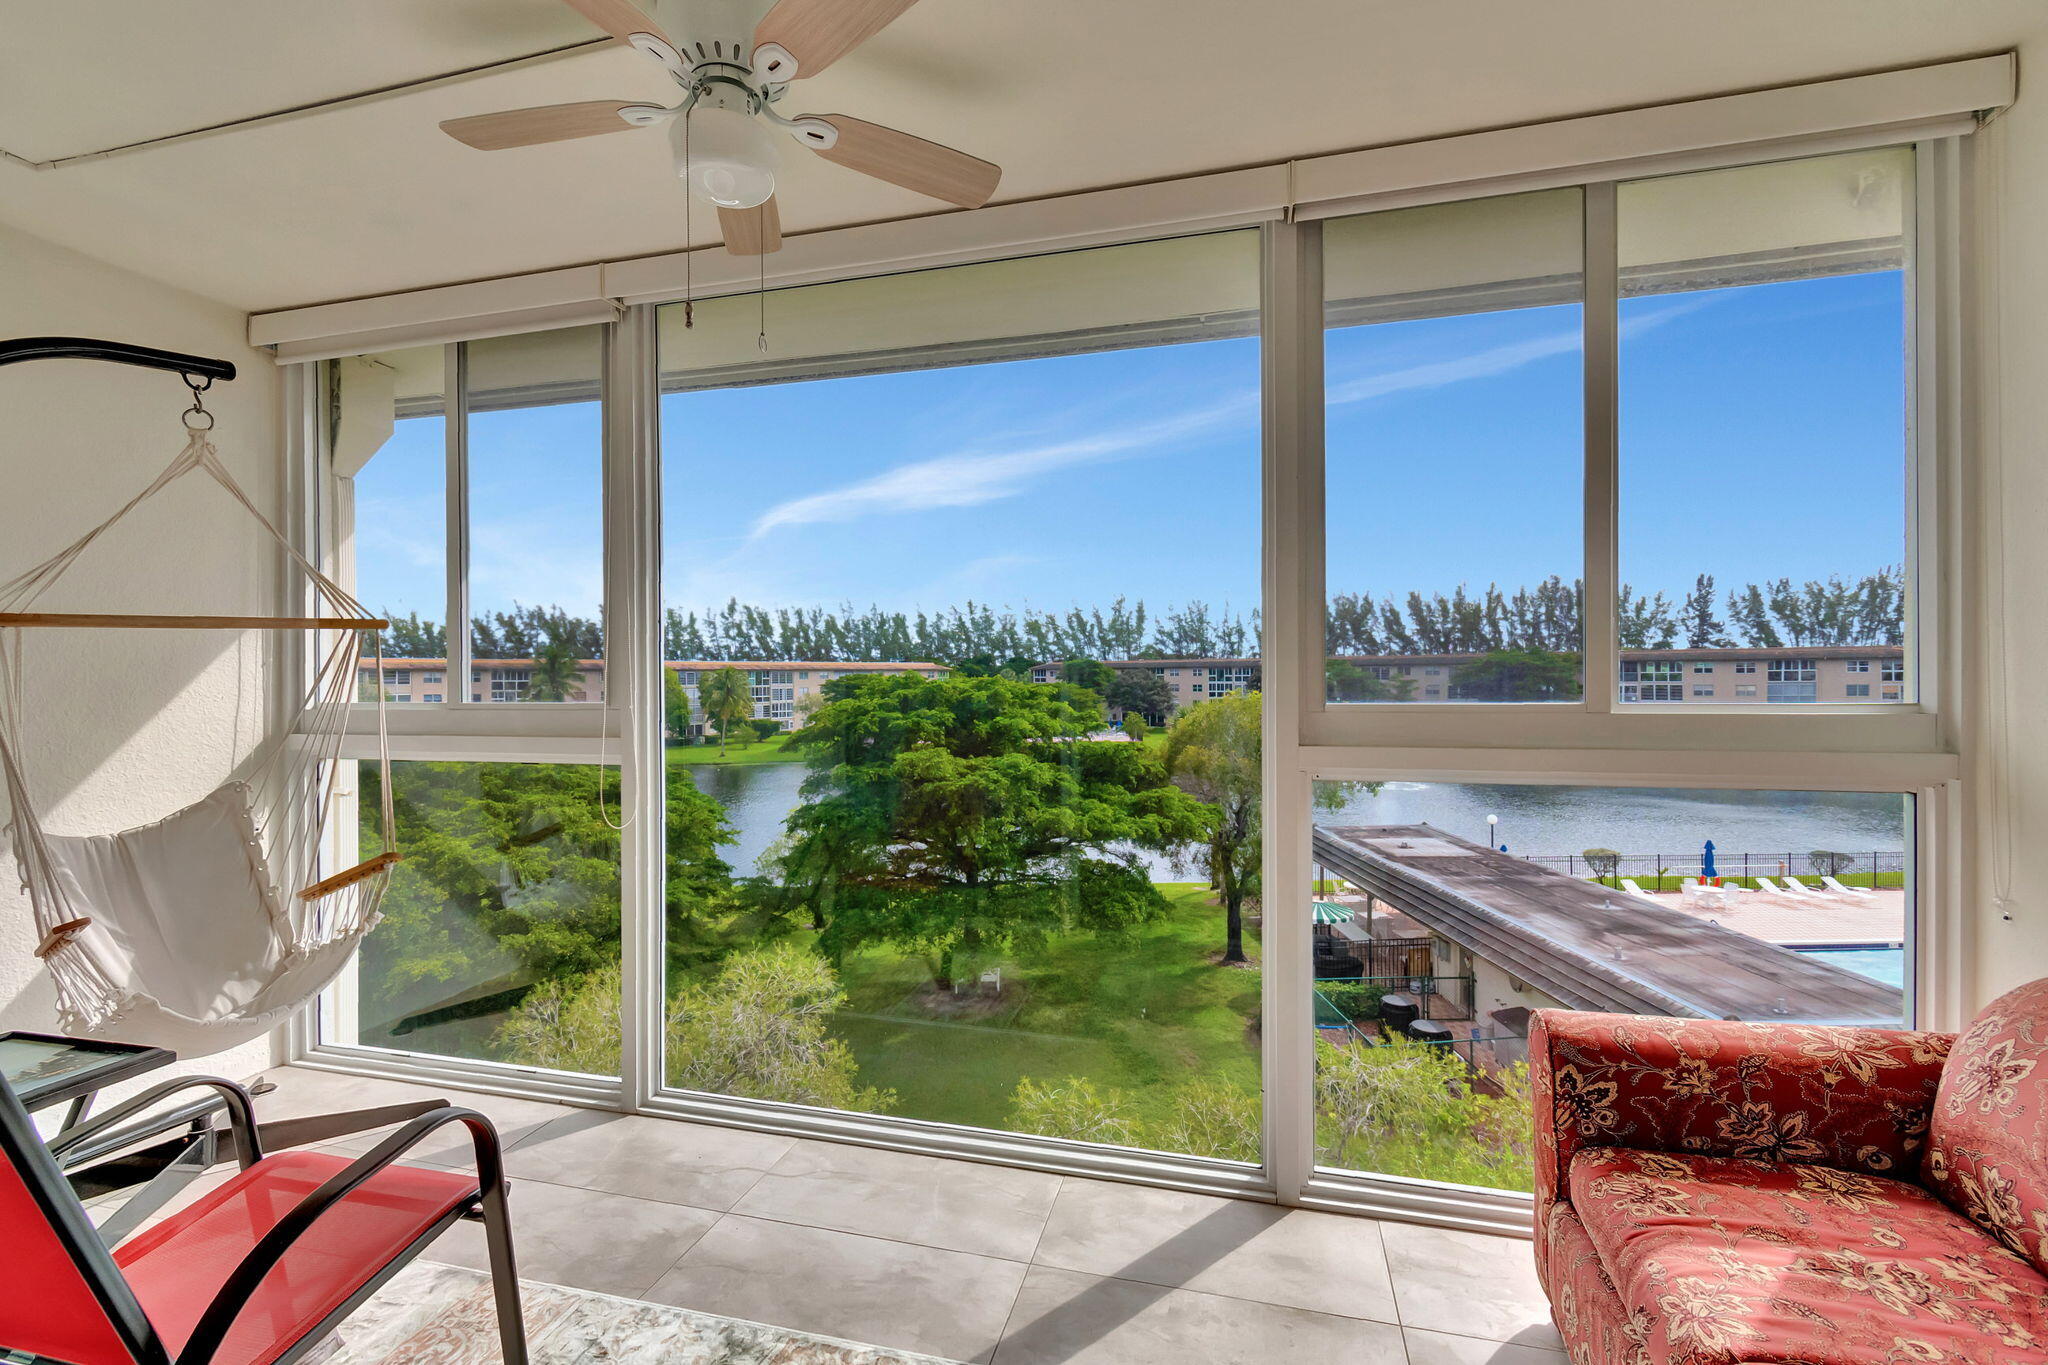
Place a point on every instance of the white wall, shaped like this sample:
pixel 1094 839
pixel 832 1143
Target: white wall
pixel 2008 753
pixel 127 727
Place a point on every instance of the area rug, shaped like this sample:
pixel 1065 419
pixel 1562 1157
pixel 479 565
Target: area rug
pixel 433 1314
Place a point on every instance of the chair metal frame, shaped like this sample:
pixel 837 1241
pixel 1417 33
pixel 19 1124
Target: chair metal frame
pixel 38 1167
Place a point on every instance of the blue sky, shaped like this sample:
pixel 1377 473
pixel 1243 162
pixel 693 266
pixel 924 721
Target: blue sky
pixel 1762 436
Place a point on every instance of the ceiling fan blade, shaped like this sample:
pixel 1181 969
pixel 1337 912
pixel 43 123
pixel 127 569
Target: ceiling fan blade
pixel 620 18
pixel 752 232
pixel 911 162
pixel 819 32
pixel 547 123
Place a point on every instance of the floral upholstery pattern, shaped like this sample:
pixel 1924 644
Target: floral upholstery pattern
pixel 1855 1099
pixel 1718 1193
pixel 1988 1153
pixel 1731 1259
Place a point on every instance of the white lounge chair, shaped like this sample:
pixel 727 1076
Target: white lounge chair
pixel 1765 884
pixel 1794 886
pixel 1629 886
pixel 1835 886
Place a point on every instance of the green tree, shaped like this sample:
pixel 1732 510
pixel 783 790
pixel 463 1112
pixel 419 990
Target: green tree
pixel 1141 692
pixel 1605 862
pixel 1345 681
pixel 957 816
pixel 555 673
pixel 726 696
pixel 1093 674
pixel 511 880
pixel 1410 1109
pixel 675 706
pixel 1213 754
pixel 765 728
pixel 757 1030
pixel 1828 863
pixel 1135 727
pixel 1517 675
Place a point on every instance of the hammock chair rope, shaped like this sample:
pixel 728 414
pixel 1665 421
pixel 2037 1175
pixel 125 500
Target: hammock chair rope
pixel 212 924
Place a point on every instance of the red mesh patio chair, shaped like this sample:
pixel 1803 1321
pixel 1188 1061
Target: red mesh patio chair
pixel 256 1272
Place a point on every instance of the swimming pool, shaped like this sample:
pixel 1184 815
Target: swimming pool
pixel 1879 964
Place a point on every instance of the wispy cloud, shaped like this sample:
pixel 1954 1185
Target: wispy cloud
pixel 971 479
pixel 1495 360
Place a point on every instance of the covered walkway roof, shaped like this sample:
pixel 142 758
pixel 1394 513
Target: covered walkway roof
pixel 1588 947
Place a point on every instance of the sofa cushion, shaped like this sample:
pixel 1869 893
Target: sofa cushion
pixel 1737 1260
pixel 1987 1150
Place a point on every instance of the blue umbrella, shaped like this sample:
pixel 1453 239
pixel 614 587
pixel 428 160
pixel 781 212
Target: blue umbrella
pixel 1707 862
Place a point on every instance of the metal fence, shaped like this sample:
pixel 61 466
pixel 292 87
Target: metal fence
pixel 1743 865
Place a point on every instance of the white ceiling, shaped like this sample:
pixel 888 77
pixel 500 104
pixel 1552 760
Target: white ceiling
pixel 1065 94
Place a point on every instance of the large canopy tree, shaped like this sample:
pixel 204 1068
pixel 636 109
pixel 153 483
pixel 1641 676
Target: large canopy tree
pixel 955 817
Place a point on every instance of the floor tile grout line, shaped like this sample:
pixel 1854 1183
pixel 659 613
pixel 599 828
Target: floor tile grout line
pixel 1379 1232
pixel 1010 1317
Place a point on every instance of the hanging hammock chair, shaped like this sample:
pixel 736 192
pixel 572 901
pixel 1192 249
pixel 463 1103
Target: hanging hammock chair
pixel 211 926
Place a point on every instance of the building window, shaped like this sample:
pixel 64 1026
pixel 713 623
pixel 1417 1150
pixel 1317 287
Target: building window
pixel 1749 691
pixel 432 696
pixel 397 677
pixel 1894 671
pixel 1745 666
pixel 1702 668
pixel 1792 680
pixel 1857 666
pixel 1698 691
pixel 1858 690
pixel 509 684
pixel 1653 680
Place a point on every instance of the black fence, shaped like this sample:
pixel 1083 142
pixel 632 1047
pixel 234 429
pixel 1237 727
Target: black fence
pixel 1888 868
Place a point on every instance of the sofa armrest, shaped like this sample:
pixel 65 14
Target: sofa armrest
pixel 1853 1098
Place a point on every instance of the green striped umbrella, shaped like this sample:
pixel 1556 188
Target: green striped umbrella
pixel 1327 912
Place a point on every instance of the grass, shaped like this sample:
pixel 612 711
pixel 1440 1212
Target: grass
pixel 776 750
pixel 1142 1013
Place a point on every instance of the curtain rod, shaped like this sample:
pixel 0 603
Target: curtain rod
pixel 119 352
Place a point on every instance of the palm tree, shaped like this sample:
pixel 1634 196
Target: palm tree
pixel 555 672
pixel 727 696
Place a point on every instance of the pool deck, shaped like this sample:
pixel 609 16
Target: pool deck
pixel 1831 922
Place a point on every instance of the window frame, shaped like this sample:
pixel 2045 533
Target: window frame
pixel 1905 747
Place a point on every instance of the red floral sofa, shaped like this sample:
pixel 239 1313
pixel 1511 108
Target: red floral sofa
pixel 1742 1194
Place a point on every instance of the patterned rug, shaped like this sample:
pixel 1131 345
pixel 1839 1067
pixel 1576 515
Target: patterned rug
pixel 433 1314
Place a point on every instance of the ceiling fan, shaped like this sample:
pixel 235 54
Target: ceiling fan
pixel 733 72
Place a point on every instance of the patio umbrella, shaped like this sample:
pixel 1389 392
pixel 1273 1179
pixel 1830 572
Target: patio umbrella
pixel 1329 913
pixel 1707 872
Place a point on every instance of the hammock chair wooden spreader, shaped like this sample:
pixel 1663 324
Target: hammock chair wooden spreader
pixel 212 925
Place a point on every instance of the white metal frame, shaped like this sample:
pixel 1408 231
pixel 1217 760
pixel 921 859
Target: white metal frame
pixel 1908 748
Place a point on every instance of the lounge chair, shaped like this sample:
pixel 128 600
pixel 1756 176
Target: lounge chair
pixel 1795 887
pixel 1835 886
pixel 1765 884
pixel 1629 886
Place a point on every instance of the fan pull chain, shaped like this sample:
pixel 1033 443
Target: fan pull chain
pixel 761 292
pixel 689 241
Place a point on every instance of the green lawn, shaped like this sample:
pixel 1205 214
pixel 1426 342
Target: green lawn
pixel 776 750
pixel 1143 1013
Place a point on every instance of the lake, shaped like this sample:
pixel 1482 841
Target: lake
pixel 1533 820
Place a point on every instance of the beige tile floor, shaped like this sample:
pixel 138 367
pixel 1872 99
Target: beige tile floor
pixel 968 1261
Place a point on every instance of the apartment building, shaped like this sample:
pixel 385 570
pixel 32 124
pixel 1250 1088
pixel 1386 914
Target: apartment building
pixel 1190 680
pixel 786 690
pixel 1731 676
pixel 780 687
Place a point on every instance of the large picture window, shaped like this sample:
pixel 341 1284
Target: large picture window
pixel 1179 704
pixel 975 741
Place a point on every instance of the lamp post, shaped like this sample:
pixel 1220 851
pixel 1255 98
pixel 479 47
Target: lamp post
pixel 1492 832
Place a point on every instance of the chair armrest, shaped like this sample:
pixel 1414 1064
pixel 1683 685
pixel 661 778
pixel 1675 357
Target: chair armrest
pixel 1853 1098
pixel 241 1116
pixel 233 1296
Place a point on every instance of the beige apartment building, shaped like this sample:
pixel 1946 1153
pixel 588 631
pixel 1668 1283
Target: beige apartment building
pixel 780 688
pixel 1734 676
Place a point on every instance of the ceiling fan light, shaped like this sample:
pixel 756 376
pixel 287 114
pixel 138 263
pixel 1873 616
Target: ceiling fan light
pixel 732 157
